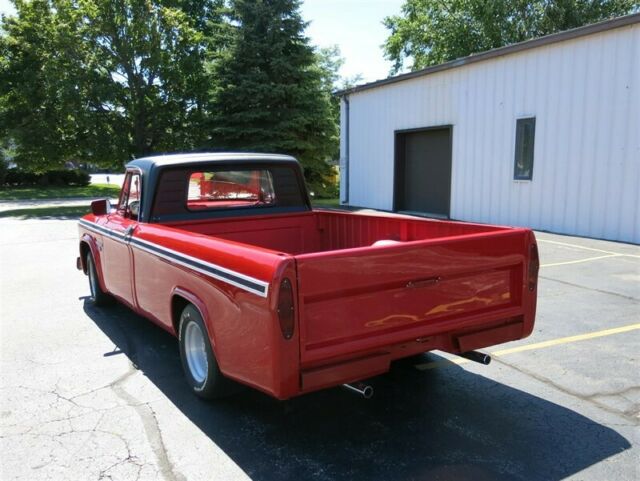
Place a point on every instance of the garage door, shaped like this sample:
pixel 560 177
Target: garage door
pixel 423 172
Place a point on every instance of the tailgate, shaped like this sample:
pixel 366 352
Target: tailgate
pixel 359 300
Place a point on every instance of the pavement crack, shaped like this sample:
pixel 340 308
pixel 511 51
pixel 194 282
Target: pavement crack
pixel 601 291
pixel 151 428
pixel 586 398
pixel 620 392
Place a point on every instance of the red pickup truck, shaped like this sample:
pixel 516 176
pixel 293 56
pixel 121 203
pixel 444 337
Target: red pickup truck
pixel 225 252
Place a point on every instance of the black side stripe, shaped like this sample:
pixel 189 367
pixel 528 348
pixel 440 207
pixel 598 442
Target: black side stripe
pixel 199 265
pixel 102 230
pixel 239 280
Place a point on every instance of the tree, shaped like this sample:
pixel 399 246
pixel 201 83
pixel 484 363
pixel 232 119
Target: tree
pixel 271 92
pixel 430 32
pixel 34 112
pixel 105 80
pixel 330 61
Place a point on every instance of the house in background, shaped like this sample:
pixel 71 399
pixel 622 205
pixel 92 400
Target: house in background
pixel 543 134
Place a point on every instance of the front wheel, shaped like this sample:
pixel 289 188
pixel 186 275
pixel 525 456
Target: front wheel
pixel 98 296
pixel 198 361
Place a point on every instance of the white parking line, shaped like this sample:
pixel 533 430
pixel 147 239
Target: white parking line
pixel 588 248
pixel 534 346
pixel 581 260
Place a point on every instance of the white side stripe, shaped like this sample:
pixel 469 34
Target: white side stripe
pixel 237 279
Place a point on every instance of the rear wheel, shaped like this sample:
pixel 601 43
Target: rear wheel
pixel 198 360
pixel 98 296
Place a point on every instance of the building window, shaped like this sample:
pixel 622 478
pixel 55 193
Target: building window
pixel 525 136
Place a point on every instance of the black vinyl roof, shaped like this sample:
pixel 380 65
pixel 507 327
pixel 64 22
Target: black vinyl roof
pixel 152 167
pixel 147 164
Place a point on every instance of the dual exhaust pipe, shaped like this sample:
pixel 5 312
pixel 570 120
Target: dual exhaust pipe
pixel 366 391
pixel 476 356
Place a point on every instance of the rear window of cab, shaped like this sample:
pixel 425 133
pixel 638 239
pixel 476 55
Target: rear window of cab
pixel 230 189
pixel 212 190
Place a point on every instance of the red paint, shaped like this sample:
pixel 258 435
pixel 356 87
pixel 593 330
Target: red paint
pixel 441 285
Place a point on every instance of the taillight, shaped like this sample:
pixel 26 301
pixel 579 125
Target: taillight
pixel 286 313
pixel 534 266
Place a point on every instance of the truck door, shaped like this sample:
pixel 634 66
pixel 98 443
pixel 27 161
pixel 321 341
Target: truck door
pixel 118 271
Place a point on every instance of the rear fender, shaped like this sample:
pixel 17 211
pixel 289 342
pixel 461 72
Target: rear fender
pixel 202 308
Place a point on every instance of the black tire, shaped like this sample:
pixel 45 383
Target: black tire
pixel 98 296
pixel 205 379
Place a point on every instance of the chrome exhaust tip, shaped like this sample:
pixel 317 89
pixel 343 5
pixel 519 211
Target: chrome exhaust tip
pixel 476 356
pixel 365 390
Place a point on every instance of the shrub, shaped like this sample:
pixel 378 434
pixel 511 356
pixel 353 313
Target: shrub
pixel 16 177
pixel 82 178
pixel 19 178
pixel 3 171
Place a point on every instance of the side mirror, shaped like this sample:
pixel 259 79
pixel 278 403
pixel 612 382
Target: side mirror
pixel 100 207
pixel 134 209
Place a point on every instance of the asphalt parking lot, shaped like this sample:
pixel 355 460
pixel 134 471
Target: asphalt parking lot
pixel 90 394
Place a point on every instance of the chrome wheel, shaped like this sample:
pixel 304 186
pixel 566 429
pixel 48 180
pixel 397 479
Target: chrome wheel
pixel 198 357
pixel 195 352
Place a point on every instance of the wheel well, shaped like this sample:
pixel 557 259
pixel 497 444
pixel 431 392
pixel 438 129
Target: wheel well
pixel 178 303
pixel 84 250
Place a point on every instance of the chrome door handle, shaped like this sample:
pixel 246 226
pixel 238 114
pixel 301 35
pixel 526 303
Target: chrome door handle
pixel 129 232
pixel 423 282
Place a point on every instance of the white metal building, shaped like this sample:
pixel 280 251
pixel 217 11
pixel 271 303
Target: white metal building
pixel 544 134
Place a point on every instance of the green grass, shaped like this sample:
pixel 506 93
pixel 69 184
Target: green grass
pixel 76 211
pixel 58 212
pixel 55 192
pixel 333 203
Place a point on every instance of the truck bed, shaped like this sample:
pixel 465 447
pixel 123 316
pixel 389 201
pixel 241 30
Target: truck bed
pixel 380 287
pixel 324 230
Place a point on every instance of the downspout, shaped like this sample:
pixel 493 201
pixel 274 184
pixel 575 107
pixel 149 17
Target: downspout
pixel 346 148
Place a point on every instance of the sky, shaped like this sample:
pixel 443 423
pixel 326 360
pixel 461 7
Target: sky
pixel 354 25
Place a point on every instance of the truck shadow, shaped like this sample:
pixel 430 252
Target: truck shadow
pixel 445 423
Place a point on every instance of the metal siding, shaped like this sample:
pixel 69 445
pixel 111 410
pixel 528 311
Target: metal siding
pixel 584 95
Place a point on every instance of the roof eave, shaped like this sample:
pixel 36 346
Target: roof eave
pixel 499 52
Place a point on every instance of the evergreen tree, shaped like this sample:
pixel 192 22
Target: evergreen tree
pixel 270 93
pixel 330 61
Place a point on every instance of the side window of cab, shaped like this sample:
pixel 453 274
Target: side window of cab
pixel 130 196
